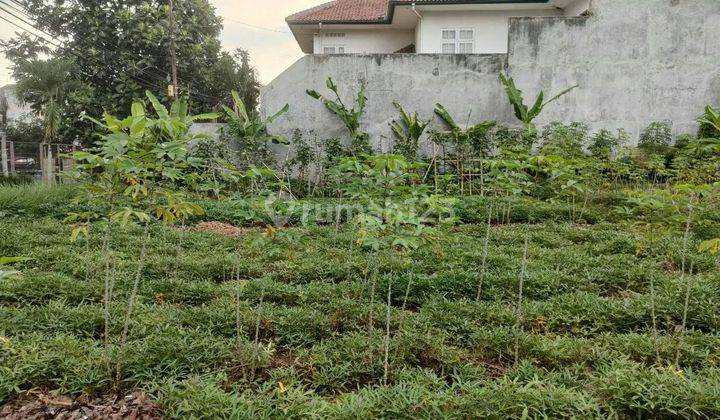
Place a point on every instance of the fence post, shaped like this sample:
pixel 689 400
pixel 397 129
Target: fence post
pixel 4 152
pixel 50 160
pixel 12 157
pixel 41 155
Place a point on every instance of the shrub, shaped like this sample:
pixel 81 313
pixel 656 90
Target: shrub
pixel 564 140
pixel 656 138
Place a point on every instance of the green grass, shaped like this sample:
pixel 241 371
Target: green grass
pixel 586 349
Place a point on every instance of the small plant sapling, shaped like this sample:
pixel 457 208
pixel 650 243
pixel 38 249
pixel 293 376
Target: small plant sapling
pixel 143 159
pixel 396 217
pixel 471 141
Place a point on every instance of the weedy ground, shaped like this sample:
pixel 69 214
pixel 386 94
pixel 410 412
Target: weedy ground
pixel 311 345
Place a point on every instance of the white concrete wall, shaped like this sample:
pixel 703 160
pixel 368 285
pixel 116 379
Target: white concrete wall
pixel 490 28
pixel 358 41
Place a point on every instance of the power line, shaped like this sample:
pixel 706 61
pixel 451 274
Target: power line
pixel 69 49
pixel 250 25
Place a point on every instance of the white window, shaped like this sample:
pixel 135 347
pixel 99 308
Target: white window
pixel 457 41
pixel 333 49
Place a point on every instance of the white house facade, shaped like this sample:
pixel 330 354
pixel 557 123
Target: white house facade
pixel 419 26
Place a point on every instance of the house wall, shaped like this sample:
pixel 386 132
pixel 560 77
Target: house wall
pixel 382 41
pixel 635 63
pixel 490 28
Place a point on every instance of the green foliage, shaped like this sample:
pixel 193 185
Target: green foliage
pixel 395 208
pixel 470 140
pixel 18 180
pixel 407 133
pixel 564 140
pixel 6 273
pixel 603 143
pixel 46 85
pixel 709 123
pixel 586 350
pixel 126 53
pixel 656 138
pixel 140 161
pixel 250 133
pixel 25 129
pixel 360 140
pixel 523 113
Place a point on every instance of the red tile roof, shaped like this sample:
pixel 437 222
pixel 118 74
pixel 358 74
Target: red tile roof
pixel 371 11
pixel 344 11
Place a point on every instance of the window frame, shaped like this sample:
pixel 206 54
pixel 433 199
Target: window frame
pixel 457 41
pixel 336 49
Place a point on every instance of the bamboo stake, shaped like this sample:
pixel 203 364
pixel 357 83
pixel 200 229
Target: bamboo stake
pixel 518 321
pixel 131 304
pixel 484 256
pixel 686 237
pixel 386 364
pixel 653 314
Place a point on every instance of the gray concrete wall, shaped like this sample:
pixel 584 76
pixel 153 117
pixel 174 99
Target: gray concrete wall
pixel 466 85
pixel 635 61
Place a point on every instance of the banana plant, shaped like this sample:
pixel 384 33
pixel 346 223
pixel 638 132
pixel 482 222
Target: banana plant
pixel 349 116
pixel 711 117
pixel 249 124
pixel 408 131
pixel 526 114
pixel 474 136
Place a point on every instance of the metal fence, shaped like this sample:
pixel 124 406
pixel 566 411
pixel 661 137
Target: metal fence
pixel 43 161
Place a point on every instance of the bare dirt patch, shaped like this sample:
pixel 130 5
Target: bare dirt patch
pixel 35 406
pixel 219 228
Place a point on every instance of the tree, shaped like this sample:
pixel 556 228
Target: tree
pixel 119 49
pixel 45 84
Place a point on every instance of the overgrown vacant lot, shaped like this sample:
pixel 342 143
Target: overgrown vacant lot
pixel 311 344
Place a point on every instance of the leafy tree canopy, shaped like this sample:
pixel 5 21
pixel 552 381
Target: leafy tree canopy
pixel 119 49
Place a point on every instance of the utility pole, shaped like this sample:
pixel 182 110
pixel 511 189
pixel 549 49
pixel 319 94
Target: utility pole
pixel 173 90
pixel 4 105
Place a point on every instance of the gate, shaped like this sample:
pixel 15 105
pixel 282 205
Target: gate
pixel 42 161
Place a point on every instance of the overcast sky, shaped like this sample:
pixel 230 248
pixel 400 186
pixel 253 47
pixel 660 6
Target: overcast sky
pixel 272 49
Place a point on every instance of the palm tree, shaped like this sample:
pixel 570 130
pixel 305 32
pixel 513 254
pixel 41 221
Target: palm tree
pixel 45 84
